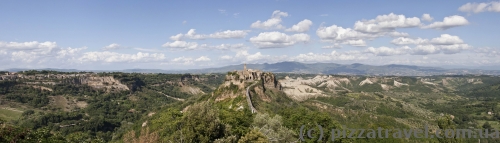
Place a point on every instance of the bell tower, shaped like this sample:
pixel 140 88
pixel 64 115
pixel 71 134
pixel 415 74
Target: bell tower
pixel 245 67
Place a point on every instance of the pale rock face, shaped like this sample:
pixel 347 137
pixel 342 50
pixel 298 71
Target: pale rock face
pixel 52 79
pixel 398 84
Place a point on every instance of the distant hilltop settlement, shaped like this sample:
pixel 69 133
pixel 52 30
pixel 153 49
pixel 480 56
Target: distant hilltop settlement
pixel 239 77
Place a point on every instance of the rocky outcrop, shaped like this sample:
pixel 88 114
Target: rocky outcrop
pixel 268 80
pixel 92 80
pixel 100 82
pixel 247 76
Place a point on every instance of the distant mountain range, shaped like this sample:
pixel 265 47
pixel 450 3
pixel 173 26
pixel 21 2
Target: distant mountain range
pixel 314 68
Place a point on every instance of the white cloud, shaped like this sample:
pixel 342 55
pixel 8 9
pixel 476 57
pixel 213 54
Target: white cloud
pixel 329 57
pixel 336 46
pixel 425 50
pixel 398 34
pixel 195 46
pixel 386 23
pixel 181 45
pixel 278 39
pixel 183 60
pixel 446 39
pixel 184 22
pixel 357 43
pixel 385 51
pixel 224 46
pixel 34 45
pixel 427 17
pixel 324 15
pixel 302 26
pixel 37 52
pixel 191 34
pixel 480 7
pixel 25 57
pixel 69 52
pixel 177 37
pixel 226 57
pixel 113 57
pixel 455 48
pixel 409 41
pixel 228 34
pixel 202 59
pixel 488 51
pixel 448 22
pixel 113 46
pixel 337 34
pixel 273 23
pixel 446 44
pixel 251 58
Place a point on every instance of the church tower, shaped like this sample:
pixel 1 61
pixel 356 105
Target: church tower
pixel 245 67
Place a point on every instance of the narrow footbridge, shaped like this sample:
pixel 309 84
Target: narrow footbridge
pixel 250 104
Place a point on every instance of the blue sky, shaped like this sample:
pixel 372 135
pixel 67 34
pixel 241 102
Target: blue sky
pixel 201 34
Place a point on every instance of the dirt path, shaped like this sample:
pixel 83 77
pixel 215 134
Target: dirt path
pixel 178 99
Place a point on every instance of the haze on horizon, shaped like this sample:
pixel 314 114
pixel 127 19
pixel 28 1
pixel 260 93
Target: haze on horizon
pixel 171 35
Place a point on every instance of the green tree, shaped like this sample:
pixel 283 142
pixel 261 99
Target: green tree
pixel 445 123
pixel 253 136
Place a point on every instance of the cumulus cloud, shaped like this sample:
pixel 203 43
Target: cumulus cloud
pixel 398 34
pixel 336 46
pixel 445 43
pixel 425 50
pixel 113 57
pixel 228 34
pixel 337 34
pixel 488 51
pixel 278 39
pixel 386 23
pixel 113 46
pixel 177 37
pixel 409 41
pixel 446 39
pixel 36 53
pixel 329 57
pixel 181 45
pixel 273 23
pixel 223 46
pixel 245 56
pixel 33 45
pixel 182 60
pixel 455 48
pixel 69 52
pixel 382 25
pixel 195 46
pixel 302 26
pixel 427 17
pixel 356 43
pixel 385 51
pixel 202 59
pixel 448 22
pixel 493 6
pixel 226 57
